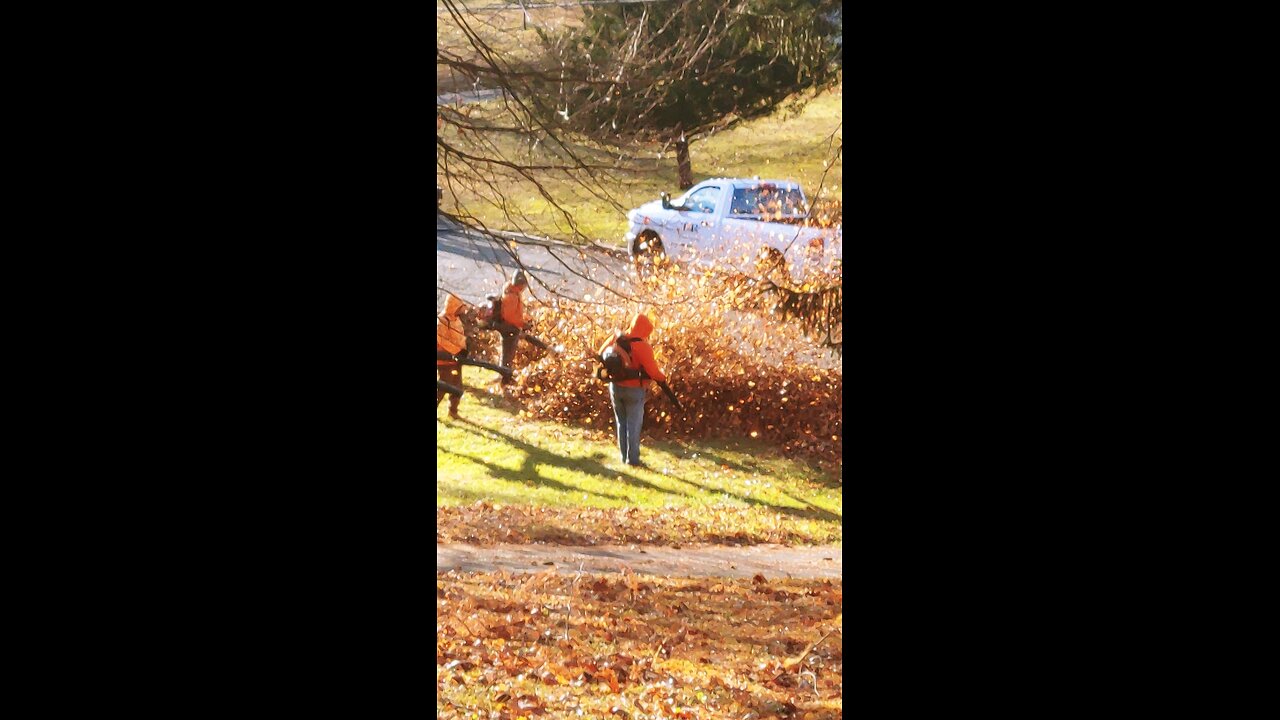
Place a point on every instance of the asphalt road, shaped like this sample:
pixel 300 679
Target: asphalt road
pixel 472 266
pixel 466 97
pixel 772 561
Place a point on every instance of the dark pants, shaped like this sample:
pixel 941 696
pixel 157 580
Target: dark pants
pixel 452 374
pixel 509 342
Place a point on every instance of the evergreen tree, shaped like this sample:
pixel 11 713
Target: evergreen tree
pixel 670 72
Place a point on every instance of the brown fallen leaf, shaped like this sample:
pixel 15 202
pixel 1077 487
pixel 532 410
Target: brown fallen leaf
pixel 611 677
pixel 679 631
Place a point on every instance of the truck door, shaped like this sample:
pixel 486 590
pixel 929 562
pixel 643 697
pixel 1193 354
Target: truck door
pixel 698 221
pixel 745 227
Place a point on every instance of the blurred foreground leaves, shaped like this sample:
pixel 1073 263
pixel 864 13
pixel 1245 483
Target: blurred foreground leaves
pixel 486 523
pixel 604 646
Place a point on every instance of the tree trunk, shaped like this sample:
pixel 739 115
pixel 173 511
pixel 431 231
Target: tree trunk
pixel 683 166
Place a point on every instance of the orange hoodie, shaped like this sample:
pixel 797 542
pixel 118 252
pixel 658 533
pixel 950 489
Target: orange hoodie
pixel 641 353
pixel 513 305
pixel 449 334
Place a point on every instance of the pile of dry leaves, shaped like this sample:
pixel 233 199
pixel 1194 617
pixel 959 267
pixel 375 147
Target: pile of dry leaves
pixel 737 371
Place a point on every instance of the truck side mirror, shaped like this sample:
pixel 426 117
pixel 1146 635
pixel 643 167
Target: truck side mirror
pixel 666 200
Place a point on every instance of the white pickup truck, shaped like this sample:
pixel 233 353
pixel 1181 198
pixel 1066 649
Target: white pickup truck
pixel 735 223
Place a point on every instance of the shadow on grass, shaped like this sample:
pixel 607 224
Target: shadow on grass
pixel 810 512
pixel 534 456
pixel 528 473
pixel 831 480
pixel 821 513
pixel 481 395
pixel 704 450
pixel 709 449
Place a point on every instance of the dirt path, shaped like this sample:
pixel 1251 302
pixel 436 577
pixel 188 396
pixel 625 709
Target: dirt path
pixel 772 561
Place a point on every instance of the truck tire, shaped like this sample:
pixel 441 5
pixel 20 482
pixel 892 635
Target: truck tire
pixel 652 245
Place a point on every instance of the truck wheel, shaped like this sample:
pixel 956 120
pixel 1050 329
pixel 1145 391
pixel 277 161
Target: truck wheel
pixel 647 243
pixel 647 253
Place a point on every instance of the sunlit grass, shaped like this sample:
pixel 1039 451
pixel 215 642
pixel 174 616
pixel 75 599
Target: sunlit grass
pixel 505 30
pixel 786 145
pixel 493 455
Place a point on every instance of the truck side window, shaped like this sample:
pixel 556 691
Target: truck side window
pixel 702 201
pixel 766 200
pixel 744 202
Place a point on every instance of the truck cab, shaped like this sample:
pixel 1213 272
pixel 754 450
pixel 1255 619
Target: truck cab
pixel 732 222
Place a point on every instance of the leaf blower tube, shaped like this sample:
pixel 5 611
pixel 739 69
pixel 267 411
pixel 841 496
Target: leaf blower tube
pixel 666 390
pixel 449 388
pixel 509 329
pixel 503 371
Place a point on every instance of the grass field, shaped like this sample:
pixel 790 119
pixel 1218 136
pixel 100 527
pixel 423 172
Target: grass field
pixel 786 145
pixel 504 478
pixel 503 29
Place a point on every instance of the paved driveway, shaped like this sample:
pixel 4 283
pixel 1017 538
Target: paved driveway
pixel 471 266
pixel 772 561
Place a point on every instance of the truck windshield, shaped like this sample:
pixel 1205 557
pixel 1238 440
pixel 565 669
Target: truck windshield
pixel 768 200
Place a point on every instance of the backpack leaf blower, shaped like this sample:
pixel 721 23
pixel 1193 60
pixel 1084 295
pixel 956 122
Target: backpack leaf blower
pixel 615 369
pixel 490 316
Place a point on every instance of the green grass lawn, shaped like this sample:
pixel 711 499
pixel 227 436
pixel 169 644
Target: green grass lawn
pixel 506 30
pixel 786 146
pixel 494 456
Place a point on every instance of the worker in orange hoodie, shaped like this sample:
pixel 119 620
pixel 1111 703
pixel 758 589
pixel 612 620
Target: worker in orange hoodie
pixel 628 395
pixel 451 338
pixel 513 315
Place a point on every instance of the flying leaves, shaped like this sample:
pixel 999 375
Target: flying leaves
pixel 738 370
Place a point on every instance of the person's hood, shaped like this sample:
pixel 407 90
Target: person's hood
pixel 640 327
pixel 452 305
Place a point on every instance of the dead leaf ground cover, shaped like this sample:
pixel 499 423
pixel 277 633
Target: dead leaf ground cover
pixel 501 477
pixel 580 645
pixel 484 523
